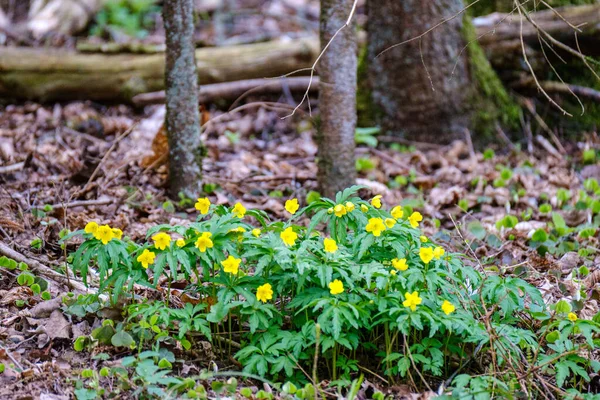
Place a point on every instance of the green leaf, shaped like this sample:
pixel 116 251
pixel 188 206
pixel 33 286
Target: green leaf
pixel 477 230
pixel 539 235
pixel 562 372
pixel 563 307
pixel 122 339
pixel 553 337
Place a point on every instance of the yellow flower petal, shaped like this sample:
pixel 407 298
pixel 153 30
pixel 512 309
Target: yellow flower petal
pixel 91 227
pixel 292 206
pixel 415 218
pixel 336 287
pixel 203 205
pixel 264 293
pixel 397 212
pixel 288 236
pixel 330 245
pixel 376 201
pixel 239 210
pixel 375 226
pixel 162 240
pixel 426 254
pixel 447 307
pixel 231 265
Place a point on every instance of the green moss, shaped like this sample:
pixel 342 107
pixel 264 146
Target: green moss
pixel 490 101
pixel 364 103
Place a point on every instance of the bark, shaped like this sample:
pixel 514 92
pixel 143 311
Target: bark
pixel 56 74
pixel 337 99
pixel 181 83
pixel 421 87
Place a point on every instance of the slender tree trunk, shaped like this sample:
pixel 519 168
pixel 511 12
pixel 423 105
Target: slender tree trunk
pixel 337 99
pixel 181 84
pixel 422 87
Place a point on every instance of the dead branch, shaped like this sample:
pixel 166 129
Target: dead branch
pixel 229 91
pixel 12 168
pixel 42 269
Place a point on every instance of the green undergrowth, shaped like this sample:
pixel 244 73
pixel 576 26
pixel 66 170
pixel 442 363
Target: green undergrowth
pixel 358 290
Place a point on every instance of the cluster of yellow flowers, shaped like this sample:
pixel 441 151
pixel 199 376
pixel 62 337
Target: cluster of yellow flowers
pixel 377 225
pixel 103 233
pixel 231 265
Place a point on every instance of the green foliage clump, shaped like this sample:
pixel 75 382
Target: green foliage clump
pixel 129 17
pixel 359 286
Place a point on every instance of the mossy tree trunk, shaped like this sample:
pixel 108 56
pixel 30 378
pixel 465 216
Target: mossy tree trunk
pixel 337 99
pixel 421 87
pixel 438 85
pixel 181 84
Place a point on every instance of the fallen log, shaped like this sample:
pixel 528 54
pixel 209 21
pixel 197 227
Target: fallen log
pixel 230 91
pixel 562 23
pixel 56 74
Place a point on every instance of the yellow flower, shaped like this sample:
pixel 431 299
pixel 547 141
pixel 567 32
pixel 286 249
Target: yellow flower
pixel 393 272
pixel 264 293
pixel 330 245
pixel 162 240
pixel 288 236
pixel 204 242
pixel 180 242
pixel 397 212
pixel 231 265
pixel 117 233
pixel 400 264
pixel 104 233
pixel 350 206
pixel 330 210
pixel 572 317
pixel 146 258
pixel 376 201
pixel 423 239
pixel 364 208
pixel 415 218
pixel 292 206
pixel 412 300
pixel 256 232
pixel 336 287
pixel 426 254
pixel 339 210
pixel 239 210
pixel 91 227
pixel 202 205
pixel 239 229
pixel 375 226
pixel 447 307
pixel 438 252
pixel 390 222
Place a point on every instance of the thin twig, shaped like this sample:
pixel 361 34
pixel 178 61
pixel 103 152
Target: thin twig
pixel 314 66
pixel 12 168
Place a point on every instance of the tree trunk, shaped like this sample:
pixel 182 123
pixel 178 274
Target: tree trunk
pixel 421 87
pixel 181 83
pixel 337 99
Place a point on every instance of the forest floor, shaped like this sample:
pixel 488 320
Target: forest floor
pixel 66 164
